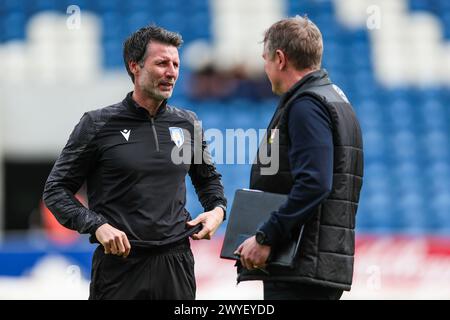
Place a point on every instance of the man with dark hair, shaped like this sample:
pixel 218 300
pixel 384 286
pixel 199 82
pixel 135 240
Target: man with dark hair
pixel 136 189
pixel 320 169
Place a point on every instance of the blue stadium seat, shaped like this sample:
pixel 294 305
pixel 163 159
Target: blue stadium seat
pixel 139 6
pixel 243 115
pixel 363 220
pixel 294 7
pixel 440 209
pixel 441 6
pixel 112 57
pixel 13 25
pixel 375 145
pixel 407 178
pixel 404 145
pixel 327 25
pixel 199 5
pixel 212 115
pixel 420 5
pixel 8 6
pixel 199 26
pixel 135 21
pixel 103 6
pixel 83 4
pixel 45 5
pixel 433 115
pixel 320 7
pixel 436 144
pixel 377 178
pixel 359 53
pixel 410 184
pixel 401 115
pixel 174 6
pixel 192 203
pixel 439 184
pixel 112 26
pixel 412 216
pixel 375 183
pixel 362 75
pixel 173 21
pixel 334 54
pixel 445 18
pixel 438 169
pixel 265 112
pixel 380 210
pixel 360 37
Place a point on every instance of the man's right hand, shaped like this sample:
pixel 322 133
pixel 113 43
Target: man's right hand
pixel 113 240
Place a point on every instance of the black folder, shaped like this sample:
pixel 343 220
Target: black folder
pixel 250 209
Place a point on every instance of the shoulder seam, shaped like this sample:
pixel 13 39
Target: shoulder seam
pixel 97 122
pixel 184 114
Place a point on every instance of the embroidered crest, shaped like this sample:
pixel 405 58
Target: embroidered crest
pixel 177 136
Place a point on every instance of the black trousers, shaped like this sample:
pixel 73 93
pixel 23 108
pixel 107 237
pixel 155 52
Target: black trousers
pixel 164 273
pixel 298 291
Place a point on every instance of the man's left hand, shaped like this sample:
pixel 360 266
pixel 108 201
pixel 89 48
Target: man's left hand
pixel 210 220
pixel 252 254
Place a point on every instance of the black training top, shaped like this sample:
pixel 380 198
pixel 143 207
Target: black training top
pixel 127 158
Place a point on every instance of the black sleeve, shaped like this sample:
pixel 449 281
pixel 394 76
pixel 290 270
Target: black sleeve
pixel 204 176
pixel 68 175
pixel 311 161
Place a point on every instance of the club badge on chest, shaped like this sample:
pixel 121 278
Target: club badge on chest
pixel 177 136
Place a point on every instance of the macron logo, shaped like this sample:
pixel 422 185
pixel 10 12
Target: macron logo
pixel 126 133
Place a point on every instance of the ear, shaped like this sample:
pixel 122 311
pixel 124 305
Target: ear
pixel 134 67
pixel 281 59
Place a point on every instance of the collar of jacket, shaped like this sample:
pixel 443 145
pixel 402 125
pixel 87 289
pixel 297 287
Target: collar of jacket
pixel 136 108
pixel 307 80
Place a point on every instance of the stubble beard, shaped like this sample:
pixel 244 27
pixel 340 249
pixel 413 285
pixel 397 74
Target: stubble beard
pixel 156 94
pixel 150 88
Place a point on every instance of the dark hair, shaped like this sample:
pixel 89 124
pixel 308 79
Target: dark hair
pixel 299 38
pixel 135 47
